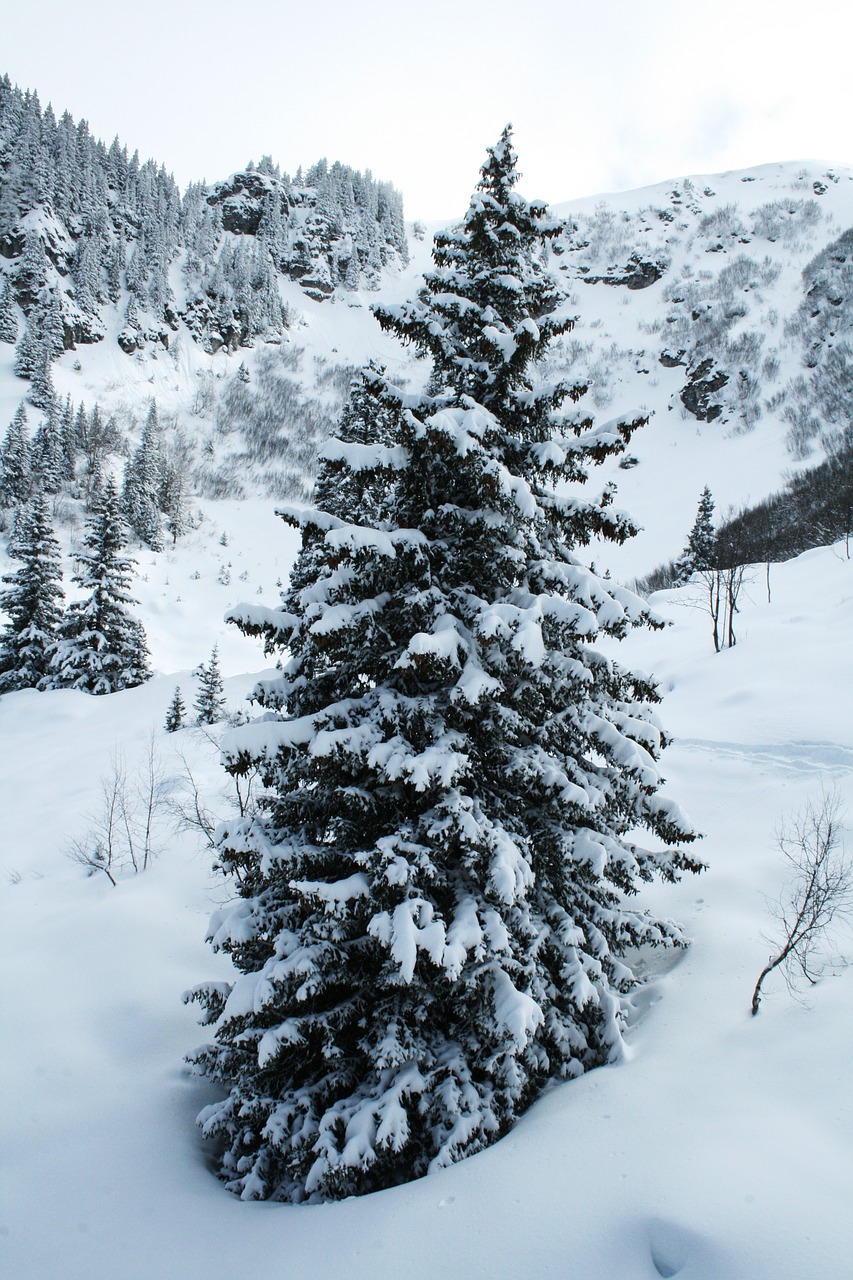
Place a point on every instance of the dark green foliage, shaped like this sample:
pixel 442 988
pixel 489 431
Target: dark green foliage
pixel 210 703
pixel 15 462
pixel 33 602
pixel 47 459
pixel 8 318
pixel 700 552
pixel 814 509
pixel 175 714
pixel 101 645
pixel 143 479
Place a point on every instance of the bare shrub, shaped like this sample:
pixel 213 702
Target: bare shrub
pixel 817 899
pixel 194 810
pixel 122 831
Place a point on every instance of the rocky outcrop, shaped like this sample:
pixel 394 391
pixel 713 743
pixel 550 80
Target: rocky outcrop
pixel 242 198
pixel 637 274
pixel 702 384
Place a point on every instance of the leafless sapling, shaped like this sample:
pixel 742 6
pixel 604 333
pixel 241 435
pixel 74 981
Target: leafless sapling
pixel 818 897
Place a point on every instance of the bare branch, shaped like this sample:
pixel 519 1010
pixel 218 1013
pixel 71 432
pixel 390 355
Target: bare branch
pixel 818 897
pixel 188 811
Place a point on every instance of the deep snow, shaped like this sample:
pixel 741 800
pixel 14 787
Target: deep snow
pixel 723 1145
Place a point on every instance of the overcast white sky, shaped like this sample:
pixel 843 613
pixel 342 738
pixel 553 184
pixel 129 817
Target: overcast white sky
pixel 603 96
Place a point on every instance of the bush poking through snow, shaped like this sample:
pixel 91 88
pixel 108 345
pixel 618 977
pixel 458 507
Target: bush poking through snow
pixel 123 830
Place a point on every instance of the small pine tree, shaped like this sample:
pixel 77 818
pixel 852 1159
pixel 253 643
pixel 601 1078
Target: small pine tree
pixel 15 476
pixel 101 645
pixel 8 317
pixel 142 482
pixel 700 552
pixel 33 602
pixel 42 393
pixel 172 499
pixel 47 459
pixel 53 328
pixel 210 703
pixel 177 711
pixel 68 437
pixel 26 354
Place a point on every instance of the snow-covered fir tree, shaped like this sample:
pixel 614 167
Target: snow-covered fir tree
pixel 15 476
pixel 47 458
pixel 435 901
pixel 176 712
pixel 210 703
pixel 101 646
pixel 26 354
pixel 8 318
pixel 700 552
pixel 42 393
pixel 142 484
pixel 32 601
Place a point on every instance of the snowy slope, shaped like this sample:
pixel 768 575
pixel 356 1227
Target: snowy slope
pixel 731 250
pixel 722 1147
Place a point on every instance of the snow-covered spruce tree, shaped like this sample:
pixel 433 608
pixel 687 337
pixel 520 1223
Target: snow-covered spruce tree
pixel 101 645
pixel 210 703
pixel 700 552
pixel 8 317
pixel 434 901
pixel 142 479
pixel 42 393
pixel 175 714
pixel 47 459
pixel 33 602
pixel 15 476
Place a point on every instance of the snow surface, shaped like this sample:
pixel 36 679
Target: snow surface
pixel 724 1141
pixel 720 1149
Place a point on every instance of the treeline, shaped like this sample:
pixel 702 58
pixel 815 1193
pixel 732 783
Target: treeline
pixel 814 509
pixel 73 452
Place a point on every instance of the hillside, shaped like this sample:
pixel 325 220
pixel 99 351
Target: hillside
pixel 719 304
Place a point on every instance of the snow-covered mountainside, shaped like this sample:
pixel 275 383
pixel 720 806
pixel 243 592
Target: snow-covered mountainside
pixel 719 304
pixel 721 1147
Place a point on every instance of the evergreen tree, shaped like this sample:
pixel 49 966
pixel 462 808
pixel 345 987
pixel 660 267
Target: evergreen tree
pixel 33 602
pixel 42 393
pixel 700 552
pixel 142 480
pixel 15 462
pixel 52 327
pixel 26 354
pixel 172 498
pixel 68 436
pixel 95 438
pixel 175 714
pixel 435 897
pixel 101 645
pixel 210 703
pixel 47 458
pixel 8 317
